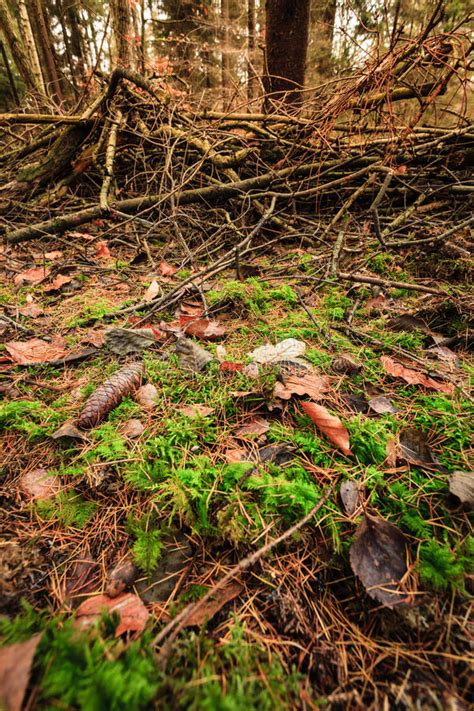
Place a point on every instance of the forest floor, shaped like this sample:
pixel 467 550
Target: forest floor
pixel 186 477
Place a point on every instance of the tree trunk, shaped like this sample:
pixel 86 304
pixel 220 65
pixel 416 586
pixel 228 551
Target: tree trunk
pixel 50 72
pixel 122 27
pixel 24 54
pixel 225 66
pixel 286 39
pixel 323 17
pixel 251 44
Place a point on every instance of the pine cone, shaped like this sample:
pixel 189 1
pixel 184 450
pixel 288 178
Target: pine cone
pixel 110 394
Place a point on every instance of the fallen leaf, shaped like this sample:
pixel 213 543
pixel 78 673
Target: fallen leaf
pixel 35 275
pixel 376 303
pixel 15 667
pixel 175 560
pixel 192 356
pixel 84 577
pixel 378 558
pixel 356 402
pixel 94 337
pixel 40 484
pixel 414 449
pixel 147 396
pixel 31 310
pixel 205 329
pixel 443 353
pixel 414 377
pixel 382 405
pixel 123 341
pixel 329 424
pixel 221 353
pixel 192 309
pixel 461 484
pixel 36 350
pixel 152 291
pixel 288 349
pixel 167 269
pixel 278 454
pixel 57 283
pixel 132 613
pixel 350 495
pixel 122 576
pixel 196 410
pixel 308 384
pixel 220 598
pixel 344 363
pixel 101 250
pixel 69 431
pixel 257 426
pixel 133 428
pixel 234 456
pixel 55 254
pixel 227 367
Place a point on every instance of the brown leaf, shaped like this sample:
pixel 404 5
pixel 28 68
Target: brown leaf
pixel 444 353
pixel 31 310
pixel 40 484
pixel 306 384
pixel 146 396
pixel 101 250
pixel 461 484
pixel 350 495
pixel 192 356
pixel 133 428
pixel 94 337
pixel 329 424
pixel 221 597
pixel 132 613
pixel 345 363
pixel 227 367
pixel 68 431
pixel 378 558
pixel 196 410
pixel 191 309
pixel 167 269
pixel 57 283
pixel 152 291
pixel 382 405
pixel 36 350
pixel 15 668
pixel 414 377
pixel 205 329
pixel 376 303
pixel 414 449
pixel 257 426
pixel 233 456
pixel 84 577
pixel 121 577
pixel 35 275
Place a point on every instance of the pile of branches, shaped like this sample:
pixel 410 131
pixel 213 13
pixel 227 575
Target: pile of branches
pixel 370 154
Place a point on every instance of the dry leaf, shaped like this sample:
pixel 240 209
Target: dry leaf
pixel 235 456
pixel 57 283
pixel 84 577
pixel 308 384
pixel 257 426
pixel 121 577
pixel 205 329
pixel 461 484
pixel 345 363
pixel 40 484
pixel 413 448
pixel 123 341
pixel 227 367
pixel 15 668
pixel 378 558
pixel 101 250
pixel 36 350
pixel 132 613
pixel 192 309
pixel 192 356
pixel 350 495
pixel 289 349
pixel 382 405
pixel 152 291
pixel 31 310
pixel 94 337
pixel 329 424
pixel 221 597
pixel 147 396
pixel 444 353
pixel 196 410
pixel 35 275
pixel 133 428
pixel 55 254
pixel 69 431
pixel 221 353
pixel 376 303
pixel 167 269
pixel 414 377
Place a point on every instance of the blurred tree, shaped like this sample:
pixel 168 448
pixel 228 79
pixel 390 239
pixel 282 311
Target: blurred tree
pixel 20 55
pixel 123 33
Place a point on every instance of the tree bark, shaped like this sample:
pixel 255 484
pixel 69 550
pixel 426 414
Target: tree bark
pixel 29 71
pixel 45 42
pixel 122 27
pixel 251 43
pixel 286 39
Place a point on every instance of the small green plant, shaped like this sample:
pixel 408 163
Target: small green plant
pixel 439 568
pixel 68 508
pixel 32 418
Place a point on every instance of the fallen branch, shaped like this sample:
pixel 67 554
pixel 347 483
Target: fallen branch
pixel 388 283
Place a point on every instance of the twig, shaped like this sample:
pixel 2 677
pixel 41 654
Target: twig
pixel 173 628
pixel 388 283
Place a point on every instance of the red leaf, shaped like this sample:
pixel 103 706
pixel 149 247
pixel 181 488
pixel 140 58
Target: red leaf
pixel 36 351
pixel 15 668
pixel 167 269
pixel 414 377
pixel 329 424
pixel 35 275
pixel 101 250
pixel 57 283
pixel 227 367
pixel 205 329
pixel 221 597
pixel 130 609
pixel 307 384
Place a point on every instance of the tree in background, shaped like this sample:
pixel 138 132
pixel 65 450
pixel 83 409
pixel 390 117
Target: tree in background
pixel 286 40
pixel 26 63
pixel 124 34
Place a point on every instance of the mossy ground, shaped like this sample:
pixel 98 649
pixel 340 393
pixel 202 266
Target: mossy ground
pixel 303 633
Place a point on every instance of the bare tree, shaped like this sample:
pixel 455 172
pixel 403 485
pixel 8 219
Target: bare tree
pixel 46 47
pixel 286 38
pixel 123 33
pixel 21 56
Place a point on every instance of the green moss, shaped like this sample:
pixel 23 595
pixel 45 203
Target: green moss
pixel 438 567
pixel 68 508
pixel 31 417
